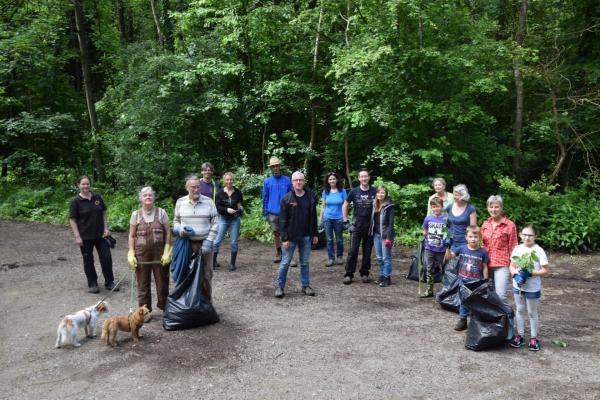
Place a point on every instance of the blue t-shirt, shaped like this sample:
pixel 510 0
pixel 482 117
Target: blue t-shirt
pixel 437 230
pixel 470 262
pixel 333 204
pixel 457 225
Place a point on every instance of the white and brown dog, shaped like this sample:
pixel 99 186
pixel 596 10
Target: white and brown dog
pixel 70 324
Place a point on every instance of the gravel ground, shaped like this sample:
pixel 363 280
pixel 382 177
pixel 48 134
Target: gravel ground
pixel 349 342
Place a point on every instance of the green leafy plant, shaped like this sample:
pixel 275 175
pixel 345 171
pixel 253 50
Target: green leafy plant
pixel 526 262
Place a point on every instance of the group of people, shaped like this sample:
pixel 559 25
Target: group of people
pixel 211 210
pixel 488 252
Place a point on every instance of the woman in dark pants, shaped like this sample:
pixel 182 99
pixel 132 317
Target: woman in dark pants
pixel 89 222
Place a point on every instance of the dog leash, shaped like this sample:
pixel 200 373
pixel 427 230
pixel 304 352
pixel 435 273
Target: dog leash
pixel 132 292
pixel 112 290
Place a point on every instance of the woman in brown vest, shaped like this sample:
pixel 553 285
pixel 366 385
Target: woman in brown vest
pixel 150 249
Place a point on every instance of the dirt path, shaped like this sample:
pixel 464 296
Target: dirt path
pixel 348 342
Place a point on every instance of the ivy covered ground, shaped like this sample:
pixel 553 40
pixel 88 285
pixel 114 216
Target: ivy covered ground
pixel 348 342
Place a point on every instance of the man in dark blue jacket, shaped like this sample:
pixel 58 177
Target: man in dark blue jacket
pixel 298 228
pixel 274 188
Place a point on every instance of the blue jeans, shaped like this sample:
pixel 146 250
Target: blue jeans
pixel 384 256
pixel 331 226
pixel 304 245
pixel 231 225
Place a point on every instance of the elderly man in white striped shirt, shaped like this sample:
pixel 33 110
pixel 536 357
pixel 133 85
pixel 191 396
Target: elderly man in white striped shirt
pixel 196 217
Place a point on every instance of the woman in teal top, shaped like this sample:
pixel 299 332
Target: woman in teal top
pixel 333 197
pixel 461 214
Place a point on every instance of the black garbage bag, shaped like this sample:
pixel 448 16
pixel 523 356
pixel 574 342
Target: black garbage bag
pixel 447 296
pixel 491 320
pixel 483 335
pixel 413 269
pixel 483 302
pixel 186 306
pixel 450 271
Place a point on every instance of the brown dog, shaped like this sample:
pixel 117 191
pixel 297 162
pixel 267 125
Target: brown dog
pixel 130 323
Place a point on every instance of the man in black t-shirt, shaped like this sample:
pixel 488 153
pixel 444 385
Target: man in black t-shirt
pixel 361 199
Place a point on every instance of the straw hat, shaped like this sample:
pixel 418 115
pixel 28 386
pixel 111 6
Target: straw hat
pixel 274 161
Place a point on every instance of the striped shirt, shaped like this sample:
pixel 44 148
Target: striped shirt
pixel 202 217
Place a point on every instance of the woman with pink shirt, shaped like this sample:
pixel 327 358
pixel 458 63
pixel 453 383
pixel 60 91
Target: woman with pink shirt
pixel 499 239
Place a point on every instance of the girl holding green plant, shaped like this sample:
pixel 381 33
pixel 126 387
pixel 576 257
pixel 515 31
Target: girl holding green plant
pixel 528 264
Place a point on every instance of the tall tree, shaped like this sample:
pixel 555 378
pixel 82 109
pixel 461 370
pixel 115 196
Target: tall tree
pixel 84 57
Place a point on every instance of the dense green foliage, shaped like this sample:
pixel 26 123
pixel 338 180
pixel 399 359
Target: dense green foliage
pixel 409 89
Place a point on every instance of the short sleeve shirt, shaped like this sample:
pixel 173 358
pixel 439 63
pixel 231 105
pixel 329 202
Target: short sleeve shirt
pixel 362 204
pixel 89 215
pixel 533 283
pixel 436 231
pixel 333 204
pixel 470 262
pixel 457 225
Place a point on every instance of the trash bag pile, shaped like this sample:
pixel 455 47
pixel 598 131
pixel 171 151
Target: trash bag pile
pixel 186 306
pixel 491 321
pixel 447 296
pixel 413 269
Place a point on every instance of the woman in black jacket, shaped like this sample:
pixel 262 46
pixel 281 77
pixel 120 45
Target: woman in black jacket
pixel 230 206
pixel 382 229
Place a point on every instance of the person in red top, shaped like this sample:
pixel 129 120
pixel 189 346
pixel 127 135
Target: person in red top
pixel 499 239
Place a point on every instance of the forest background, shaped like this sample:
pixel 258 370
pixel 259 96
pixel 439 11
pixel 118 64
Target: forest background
pixel 503 96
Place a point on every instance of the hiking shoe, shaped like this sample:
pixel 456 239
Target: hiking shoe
pixel 534 344
pixel 378 280
pixel 365 279
pixel 347 280
pixel 329 263
pixel 93 289
pixel 308 291
pixel 111 286
pixel 385 282
pixel 279 293
pixel 461 325
pixel 339 260
pixel 517 342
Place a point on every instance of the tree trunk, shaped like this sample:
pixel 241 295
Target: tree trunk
pixel 346 126
pixel 120 8
pixel 313 123
pixel 167 25
pixel 82 37
pixel 347 156
pixel 161 39
pixel 562 149
pixel 518 128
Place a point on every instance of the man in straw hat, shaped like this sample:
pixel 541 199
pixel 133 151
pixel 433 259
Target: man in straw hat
pixel 274 188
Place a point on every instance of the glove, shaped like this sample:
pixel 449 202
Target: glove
pixel 345 225
pixel 387 243
pixel 521 277
pixel 131 260
pixel 188 230
pixel 166 256
pixel 207 246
